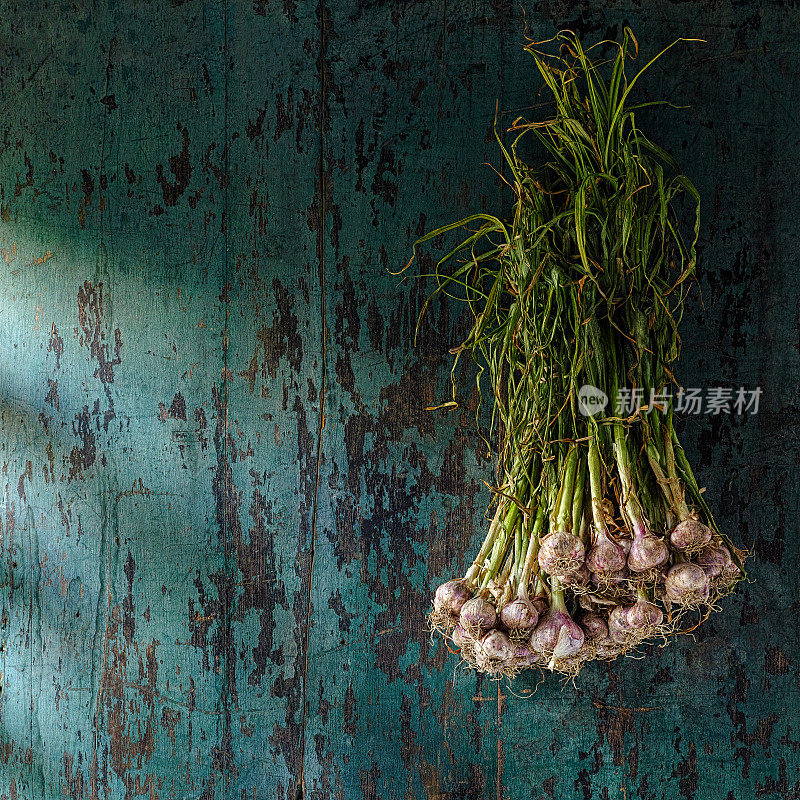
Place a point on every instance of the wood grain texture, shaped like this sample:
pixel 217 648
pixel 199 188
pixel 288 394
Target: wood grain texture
pixel 224 505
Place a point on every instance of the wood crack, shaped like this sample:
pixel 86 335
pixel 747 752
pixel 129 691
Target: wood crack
pixel 322 187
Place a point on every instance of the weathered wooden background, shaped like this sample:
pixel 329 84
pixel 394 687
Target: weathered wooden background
pixel 224 507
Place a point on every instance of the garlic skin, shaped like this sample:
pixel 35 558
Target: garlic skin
pixel 595 628
pixel 557 635
pixel 477 616
pixel 496 646
pixel 561 552
pixel 619 628
pixel 647 552
pixel 541 604
pixel 687 584
pixel 459 636
pixel 525 657
pixel 714 559
pixel 606 556
pixel 519 616
pixel 644 615
pixel 577 579
pixel 451 596
pixel 690 535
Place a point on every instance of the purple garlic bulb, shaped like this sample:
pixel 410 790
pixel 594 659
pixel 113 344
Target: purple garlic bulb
pixel 594 627
pixel 644 615
pixel 459 636
pixel 714 559
pixel 525 657
pixel 451 596
pixel 647 552
pixel 561 552
pixel 477 616
pixel 557 635
pixel 519 616
pixel 606 556
pixel 686 584
pixel 619 627
pixel 496 646
pixel 690 535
